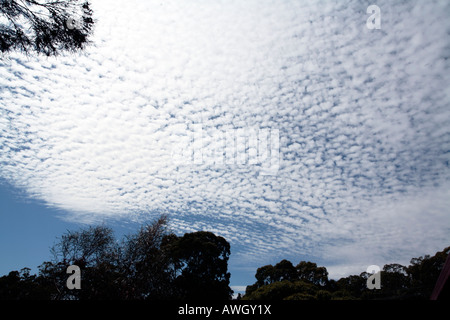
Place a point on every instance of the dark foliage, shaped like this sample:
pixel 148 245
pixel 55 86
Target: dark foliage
pixel 155 264
pixel 152 264
pixel 200 262
pixel 308 282
pixel 48 27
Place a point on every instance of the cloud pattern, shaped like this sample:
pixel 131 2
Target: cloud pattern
pixel 362 116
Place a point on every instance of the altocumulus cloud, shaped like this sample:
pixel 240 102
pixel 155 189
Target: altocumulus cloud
pixel 362 116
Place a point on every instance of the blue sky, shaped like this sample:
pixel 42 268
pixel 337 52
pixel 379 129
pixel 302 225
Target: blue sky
pixel 139 124
pixel 28 230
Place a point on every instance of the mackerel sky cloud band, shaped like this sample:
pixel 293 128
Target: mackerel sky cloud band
pixel 362 118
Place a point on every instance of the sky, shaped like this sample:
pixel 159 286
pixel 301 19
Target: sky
pixel 290 128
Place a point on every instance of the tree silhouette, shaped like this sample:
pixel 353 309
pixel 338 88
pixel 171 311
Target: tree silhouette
pixel 310 272
pixel 284 281
pixel 48 27
pixel 96 252
pixel 152 264
pixel 311 282
pixel 145 263
pixel 155 264
pixel 200 261
pixel 424 271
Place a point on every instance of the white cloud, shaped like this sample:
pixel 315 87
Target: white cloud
pixel 362 115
